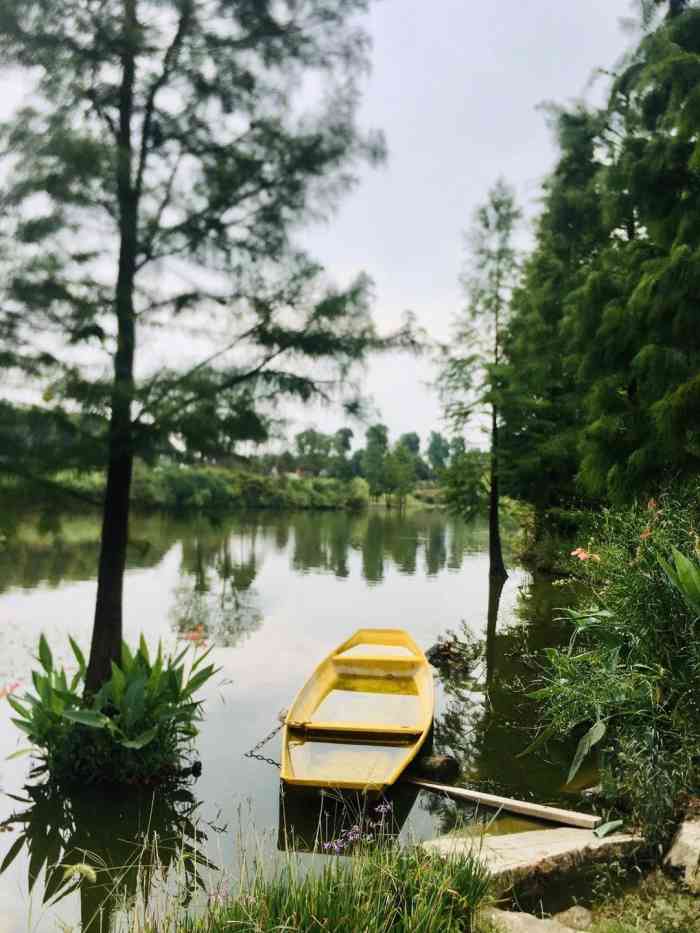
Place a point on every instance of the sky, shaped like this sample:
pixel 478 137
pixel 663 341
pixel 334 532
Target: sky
pixel 455 86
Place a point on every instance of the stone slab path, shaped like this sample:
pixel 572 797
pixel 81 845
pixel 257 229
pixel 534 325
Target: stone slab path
pixel 539 852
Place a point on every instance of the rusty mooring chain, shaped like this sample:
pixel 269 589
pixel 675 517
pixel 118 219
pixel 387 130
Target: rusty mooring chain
pixel 253 753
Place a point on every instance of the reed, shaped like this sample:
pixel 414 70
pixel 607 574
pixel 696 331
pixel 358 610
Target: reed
pixel 380 889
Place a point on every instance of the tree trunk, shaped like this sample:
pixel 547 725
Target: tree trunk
pixel 496 566
pixel 496 585
pixel 107 629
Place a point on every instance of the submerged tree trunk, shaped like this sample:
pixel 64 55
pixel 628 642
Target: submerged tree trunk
pixel 497 568
pixel 107 628
pixel 496 585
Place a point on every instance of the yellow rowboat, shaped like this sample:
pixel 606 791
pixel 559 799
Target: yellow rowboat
pixel 362 716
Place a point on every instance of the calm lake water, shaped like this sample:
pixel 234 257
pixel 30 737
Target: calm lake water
pixel 275 593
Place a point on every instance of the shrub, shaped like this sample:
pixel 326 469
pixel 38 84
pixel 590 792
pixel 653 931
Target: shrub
pixel 630 678
pixel 358 496
pixel 135 729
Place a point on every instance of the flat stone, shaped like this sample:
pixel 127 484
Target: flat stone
pixel 539 852
pixel 508 921
pixel 576 917
pixel 684 854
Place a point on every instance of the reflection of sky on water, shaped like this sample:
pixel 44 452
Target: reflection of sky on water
pixel 293 588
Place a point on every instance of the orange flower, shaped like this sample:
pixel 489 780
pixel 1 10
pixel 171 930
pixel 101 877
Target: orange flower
pixel 645 534
pixel 583 554
pixel 197 635
pixel 10 688
pixel 652 505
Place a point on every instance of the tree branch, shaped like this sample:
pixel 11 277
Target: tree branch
pixel 169 59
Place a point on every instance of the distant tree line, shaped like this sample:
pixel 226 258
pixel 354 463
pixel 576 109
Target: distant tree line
pixel 391 470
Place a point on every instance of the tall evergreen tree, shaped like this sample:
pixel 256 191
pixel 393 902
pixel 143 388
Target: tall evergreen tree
pixel 471 373
pixel 377 437
pixel 411 441
pixel 635 319
pixel 151 188
pixel 399 472
pixel 438 451
pixel 541 399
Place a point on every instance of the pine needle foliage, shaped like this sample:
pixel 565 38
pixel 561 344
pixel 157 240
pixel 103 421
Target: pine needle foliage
pixel 153 184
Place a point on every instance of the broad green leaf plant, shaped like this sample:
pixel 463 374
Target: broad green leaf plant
pixel 628 683
pixel 135 729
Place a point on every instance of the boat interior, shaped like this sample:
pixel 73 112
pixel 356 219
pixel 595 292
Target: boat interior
pixel 362 710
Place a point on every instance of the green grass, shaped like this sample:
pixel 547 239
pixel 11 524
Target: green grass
pixel 382 890
pixel 656 906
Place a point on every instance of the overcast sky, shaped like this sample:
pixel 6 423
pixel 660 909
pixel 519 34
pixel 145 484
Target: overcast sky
pixel 455 86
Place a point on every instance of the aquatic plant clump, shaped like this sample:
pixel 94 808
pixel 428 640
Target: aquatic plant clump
pixel 137 729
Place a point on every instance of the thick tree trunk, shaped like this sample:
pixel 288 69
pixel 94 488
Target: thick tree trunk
pixel 497 568
pixel 107 628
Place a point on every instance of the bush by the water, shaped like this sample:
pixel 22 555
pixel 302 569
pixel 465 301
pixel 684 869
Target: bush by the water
pixel 136 729
pixel 178 488
pixel 629 682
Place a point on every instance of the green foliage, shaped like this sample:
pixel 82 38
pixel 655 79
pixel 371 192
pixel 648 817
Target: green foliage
pixel 179 488
pixel 383 890
pixel 630 678
pixel 465 484
pixel 470 376
pixel 599 392
pixel 411 442
pixel 373 458
pixel 214 182
pixel 657 905
pixel 110 843
pixel 313 450
pixel 438 451
pixel 539 392
pixel 470 365
pixel 135 729
pixel 400 472
pixel 175 135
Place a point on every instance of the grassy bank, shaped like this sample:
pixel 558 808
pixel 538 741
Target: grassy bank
pixel 655 906
pixel 381 890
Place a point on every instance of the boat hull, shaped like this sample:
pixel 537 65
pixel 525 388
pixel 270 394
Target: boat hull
pixel 363 715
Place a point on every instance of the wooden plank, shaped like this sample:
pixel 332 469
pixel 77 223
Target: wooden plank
pixel 525 808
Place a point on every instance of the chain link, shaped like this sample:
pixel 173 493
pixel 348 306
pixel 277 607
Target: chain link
pixel 253 753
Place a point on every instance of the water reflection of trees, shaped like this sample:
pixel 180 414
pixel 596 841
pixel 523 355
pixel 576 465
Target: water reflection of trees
pixel 215 594
pixel 487 719
pixel 323 542
pixel 221 558
pixel 110 846
pixel 50 547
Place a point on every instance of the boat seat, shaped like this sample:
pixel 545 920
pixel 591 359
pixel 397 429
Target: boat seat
pixel 357 732
pixel 381 665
